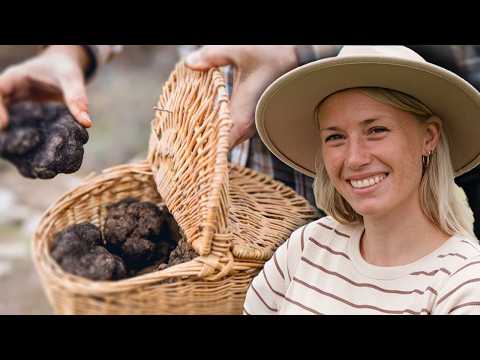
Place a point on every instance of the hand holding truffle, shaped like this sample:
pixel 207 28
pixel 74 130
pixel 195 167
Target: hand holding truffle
pixel 54 75
pixel 43 140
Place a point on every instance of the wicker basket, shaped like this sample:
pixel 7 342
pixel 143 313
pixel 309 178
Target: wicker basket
pixel 233 217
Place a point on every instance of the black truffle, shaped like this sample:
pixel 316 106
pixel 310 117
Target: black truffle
pixel 43 140
pixel 79 250
pixel 133 231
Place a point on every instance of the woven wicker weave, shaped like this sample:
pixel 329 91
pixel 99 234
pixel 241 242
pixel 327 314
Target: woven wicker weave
pixel 235 218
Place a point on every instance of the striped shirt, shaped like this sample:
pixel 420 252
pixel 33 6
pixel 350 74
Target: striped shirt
pixel 320 270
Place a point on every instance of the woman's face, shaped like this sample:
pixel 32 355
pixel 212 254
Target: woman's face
pixel 372 151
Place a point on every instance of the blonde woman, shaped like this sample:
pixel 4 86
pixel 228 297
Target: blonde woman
pixel 384 133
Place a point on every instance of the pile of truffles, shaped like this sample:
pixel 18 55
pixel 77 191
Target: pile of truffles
pixel 42 140
pixel 139 237
pixel 79 250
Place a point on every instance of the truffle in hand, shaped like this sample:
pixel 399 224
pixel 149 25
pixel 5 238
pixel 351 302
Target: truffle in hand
pixel 43 140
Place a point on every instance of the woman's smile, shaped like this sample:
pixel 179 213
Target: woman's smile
pixel 366 183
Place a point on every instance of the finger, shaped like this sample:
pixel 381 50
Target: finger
pixel 211 56
pixel 3 115
pixel 7 80
pixel 239 134
pixel 75 96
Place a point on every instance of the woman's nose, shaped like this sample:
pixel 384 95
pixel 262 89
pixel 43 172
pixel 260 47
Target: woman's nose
pixel 358 155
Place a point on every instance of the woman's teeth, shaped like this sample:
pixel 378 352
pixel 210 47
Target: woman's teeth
pixel 363 183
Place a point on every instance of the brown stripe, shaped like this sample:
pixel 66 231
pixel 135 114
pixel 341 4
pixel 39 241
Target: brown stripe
pixel 335 230
pixel 341 234
pixel 431 273
pixel 453 254
pixel 302 243
pixel 458 287
pixel 263 301
pixel 328 249
pixel 465 266
pixel 360 306
pixel 270 286
pixel 469 243
pixel 278 266
pixel 473 303
pixel 325 226
pixel 246 312
pixel 303 306
pixel 402 292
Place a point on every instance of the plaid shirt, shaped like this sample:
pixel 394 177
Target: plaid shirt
pixel 463 60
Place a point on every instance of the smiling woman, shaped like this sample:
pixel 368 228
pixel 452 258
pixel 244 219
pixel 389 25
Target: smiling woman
pixel 378 122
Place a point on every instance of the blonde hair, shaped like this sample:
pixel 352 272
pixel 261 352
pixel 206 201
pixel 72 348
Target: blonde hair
pixel 440 198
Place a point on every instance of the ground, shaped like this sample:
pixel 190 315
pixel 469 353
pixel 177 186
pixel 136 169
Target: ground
pixel 121 98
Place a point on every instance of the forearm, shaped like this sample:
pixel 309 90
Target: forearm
pixel 89 57
pixel 75 53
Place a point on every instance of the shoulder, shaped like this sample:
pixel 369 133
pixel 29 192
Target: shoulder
pixel 461 252
pixel 461 291
pixel 461 258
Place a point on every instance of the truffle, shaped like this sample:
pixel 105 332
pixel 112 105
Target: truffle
pixel 133 231
pixel 43 140
pixel 78 250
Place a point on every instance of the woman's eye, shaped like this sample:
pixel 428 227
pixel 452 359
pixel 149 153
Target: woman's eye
pixel 333 137
pixel 377 130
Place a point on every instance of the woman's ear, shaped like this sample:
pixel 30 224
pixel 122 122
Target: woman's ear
pixel 432 134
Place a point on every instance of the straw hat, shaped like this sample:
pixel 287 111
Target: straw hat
pixel 285 113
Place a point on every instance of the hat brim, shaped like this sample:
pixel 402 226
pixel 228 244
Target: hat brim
pixel 285 113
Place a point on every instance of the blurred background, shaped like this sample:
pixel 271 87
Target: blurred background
pixel 121 98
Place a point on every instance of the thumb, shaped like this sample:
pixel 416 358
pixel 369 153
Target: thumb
pixel 242 108
pixel 208 57
pixel 75 96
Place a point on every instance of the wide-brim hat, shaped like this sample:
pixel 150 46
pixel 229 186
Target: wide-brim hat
pixel 285 114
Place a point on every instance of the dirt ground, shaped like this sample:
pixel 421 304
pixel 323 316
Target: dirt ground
pixel 121 98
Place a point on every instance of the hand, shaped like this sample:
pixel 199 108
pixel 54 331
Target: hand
pixel 55 74
pixel 256 67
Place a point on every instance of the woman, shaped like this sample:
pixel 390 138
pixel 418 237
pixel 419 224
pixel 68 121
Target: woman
pixel 388 132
